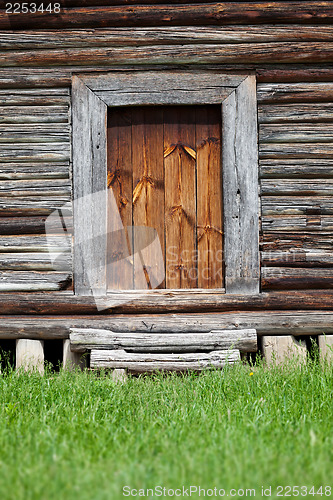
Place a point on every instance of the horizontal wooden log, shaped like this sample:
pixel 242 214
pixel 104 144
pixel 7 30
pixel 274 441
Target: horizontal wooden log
pixel 141 363
pixel 32 205
pixel 312 206
pixel 296 223
pixel 34 114
pixel 299 187
pixel 296 168
pixel 317 112
pixel 45 187
pixel 221 13
pixel 28 225
pixel 33 281
pixel 296 322
pixel 279 52
pixel 113 37
pixel 31 170
pixel 36 262
pixel 297 259
pixel 289 73
pixel 30 133
pixel 296 150
pixel 87 339
pixel 161 301
pixel 33 244
pixel 295 92
pixel 34 97
pixel 303 133
pixel 288 278
pixel 307 241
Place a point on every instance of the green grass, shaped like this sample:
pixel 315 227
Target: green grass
pixel 80 436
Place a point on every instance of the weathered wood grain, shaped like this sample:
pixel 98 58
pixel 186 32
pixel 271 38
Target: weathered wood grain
pixel 303 133
pixel 27 188
pixel 298 187
pixel 90 194
pixel 287 278
pixel 36 262
pixel 32 205
pixel 53 39
pixel 296 322
pixel 152 15
pixel 295 92
pixel 162 301
pixel 28 225
pixel 29 355
pixel 312 206
pixel 277 350
pixel 294 223
pixel 32 170
pixel 34 281
pixel 180 199
pixel 297 258
pixel 240 189
pixel 306 240
pixel 35 243
pixel 86 339
pixel 34 114
pixel 141 363
pixel 298 112
pixel 31 133
pixel 34 97
pixel 296 150
pixel 305 168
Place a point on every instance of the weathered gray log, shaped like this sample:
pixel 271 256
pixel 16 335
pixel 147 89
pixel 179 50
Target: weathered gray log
pixel 295 223
pixel 295 92
pixel 304 132
pixel 55 151
pixel 307 240
pixel 113 37
pixel 35 262
pixel 29 225
pixel 86 339
pixel 135 362
pixel 240 189
pixel 34 114
pixel 45 187
pixel 298 258
pixel 280 113
pixel 295 322
pixel 34 97
pixel 27 132
pixel 286 278
pixel 34 281
pixel 296 150
pixel 296 168
pixel 33 205
pixel 312 206
pixel 281 187
pixel 175 15
pixel 31 170
pixel 38 243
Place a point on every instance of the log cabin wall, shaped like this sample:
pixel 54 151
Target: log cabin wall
pixel 287 44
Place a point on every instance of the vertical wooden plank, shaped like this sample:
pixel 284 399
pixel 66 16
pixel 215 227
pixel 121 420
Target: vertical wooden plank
pixel 326 348
pixel 89 118
pixel 180 197
pixel 280 349
pixel 71 359
pixel 30 355
pixel 209 197
pixel 240 189
pixel 119 157
pixel 148 194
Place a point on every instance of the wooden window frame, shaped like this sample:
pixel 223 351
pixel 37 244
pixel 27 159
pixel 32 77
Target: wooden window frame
pixel 236 93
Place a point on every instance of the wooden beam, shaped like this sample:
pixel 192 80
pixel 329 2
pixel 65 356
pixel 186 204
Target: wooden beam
pixel 159 301
pixel 86 339
pixel 296 322
pixel 221 13
pixel 30 355
pixel 277 350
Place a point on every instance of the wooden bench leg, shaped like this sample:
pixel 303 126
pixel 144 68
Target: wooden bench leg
pixel 72 359
pixel 326 347
pixel 30 355
pixel 277 350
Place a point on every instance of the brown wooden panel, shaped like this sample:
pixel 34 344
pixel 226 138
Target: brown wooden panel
pixel 180 197
pixel 148 195
pixel 120 269
pixel 209 197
